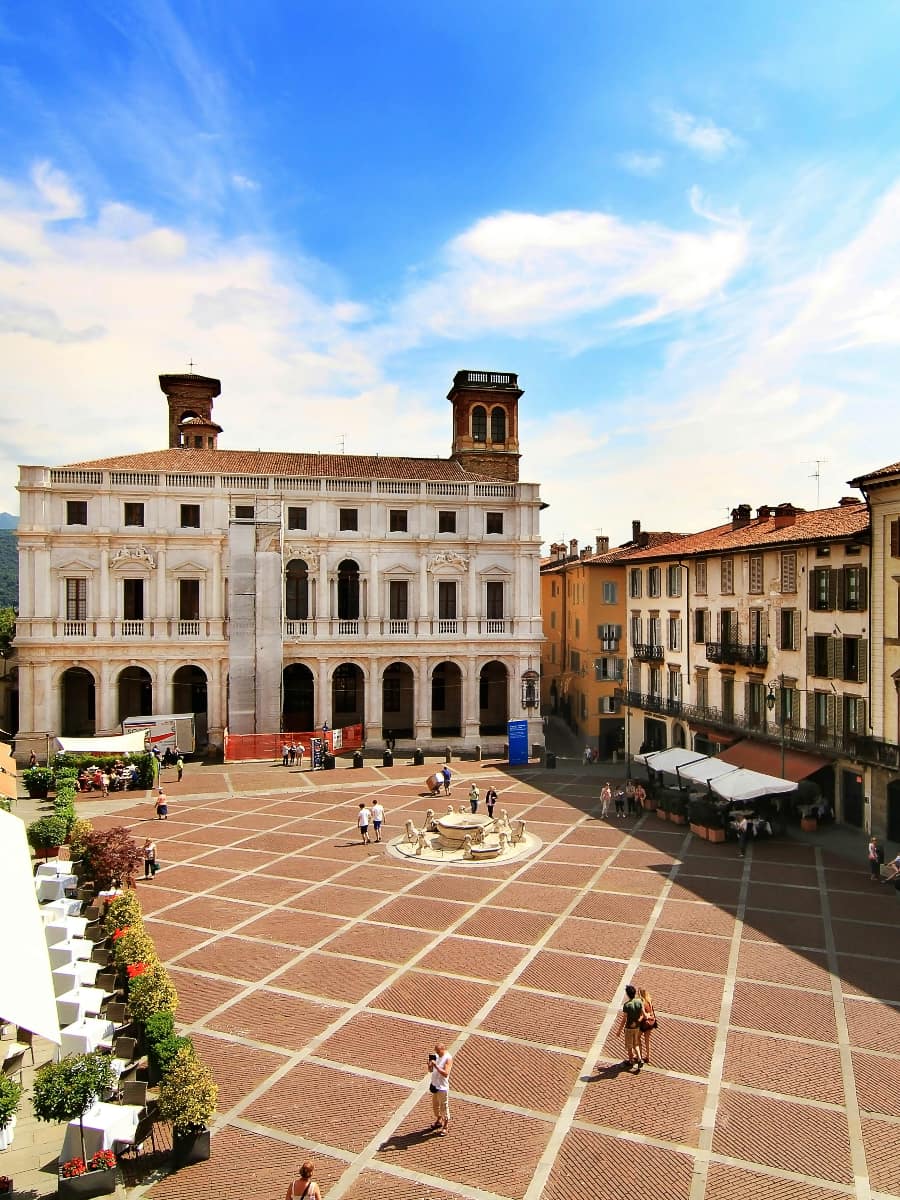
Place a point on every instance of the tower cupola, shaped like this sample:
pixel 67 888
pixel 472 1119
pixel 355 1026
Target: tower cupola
pixel 190 400
pixel 486 422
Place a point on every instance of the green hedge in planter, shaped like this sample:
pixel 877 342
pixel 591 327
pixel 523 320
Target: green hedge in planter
pixel 38 781
pixel 10 1095
pixel 68 762
pixel 46 832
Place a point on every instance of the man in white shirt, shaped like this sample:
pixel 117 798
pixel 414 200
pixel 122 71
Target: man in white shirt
pixel 439 1064
pixel 363 822
pixel 377 819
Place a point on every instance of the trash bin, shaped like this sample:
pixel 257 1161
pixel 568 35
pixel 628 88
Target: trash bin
pixel 418 758
pixel 478 754
pixel 358 759
pixel 550 761
pixel 387 759
pixel 448 754
pixel 328 763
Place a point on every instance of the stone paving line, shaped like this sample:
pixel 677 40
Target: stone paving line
pixel 578 1145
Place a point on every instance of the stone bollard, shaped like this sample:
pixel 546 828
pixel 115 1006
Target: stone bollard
pixel 387 759
pixel 418 758
pixel 358 758
pixel 478 754
pixel 448 756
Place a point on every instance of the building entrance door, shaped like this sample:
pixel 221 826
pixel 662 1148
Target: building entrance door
pixel 893 811
pixel 852 798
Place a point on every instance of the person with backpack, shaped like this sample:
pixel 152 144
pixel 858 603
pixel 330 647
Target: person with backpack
pixel 304 1187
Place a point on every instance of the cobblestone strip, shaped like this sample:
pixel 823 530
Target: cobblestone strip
pixel 714 1088
pixel 566 1117
pixel 857 1146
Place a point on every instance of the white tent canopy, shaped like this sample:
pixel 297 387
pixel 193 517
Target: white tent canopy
pixel 668 760
pixel 749 785
pixel 706 769
pixel 123 743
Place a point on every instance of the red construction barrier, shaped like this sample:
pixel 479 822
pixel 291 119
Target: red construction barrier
pixel 250 747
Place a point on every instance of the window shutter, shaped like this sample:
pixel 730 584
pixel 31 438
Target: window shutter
pixel 719 625
pixel 895 539
pixel 795 629
pixel 835 657
pixel 829 709
pixel 863 660
pixel 779 626
pixel 810 656
pixel 747 687
pixel 839 716
pixel 810 710
pixel 842 585
pixel 764 628
pixel 863 588
pixel 812 590
pixel 861 717
pixel 832 589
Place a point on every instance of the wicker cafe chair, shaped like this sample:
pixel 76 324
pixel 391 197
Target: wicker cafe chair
pixel 26 1038
pixel 145 1131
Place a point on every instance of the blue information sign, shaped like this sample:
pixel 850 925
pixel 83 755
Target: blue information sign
pixel 518 743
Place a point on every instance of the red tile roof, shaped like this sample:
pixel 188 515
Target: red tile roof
pixel 891 469
pixel 610 558
pixel 822 524
pixel 273 462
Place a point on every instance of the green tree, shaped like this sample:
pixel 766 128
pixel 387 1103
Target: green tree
pixel 66 1090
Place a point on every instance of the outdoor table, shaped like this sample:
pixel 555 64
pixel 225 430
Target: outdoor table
pixel 85 1035
pixel 53 867
pixel 64 928
pixel 76 974
pixel 6 1133
pixel 73 1007
pixel 61 954
pixel 54 888
pixel 57 909
pixel 103 1124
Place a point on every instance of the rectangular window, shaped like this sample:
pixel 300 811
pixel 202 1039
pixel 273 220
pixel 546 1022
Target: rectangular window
pixel 821 588
pixel 855 664
pixel 674 633
pixel 726 576
pixel 610 591
pixel 787 629
pixel 189 599
pixel 494 522
pixel 854 715
pixel 446 521
pixel 607 668
pixel 756 574
pixel 636 631
pixel 348 519
pixel 823 550
pixel 553 619
pixel 398 600
pixel 76 512
pixel 853 589
pixel 574 660
pixel 398 520
pixel 895 539
pixel 296 517
pixel 655 682
pixel 757 627
pixel 789 571
pixel 190 516
pixel 820 713
pixel 728 697
pixel 701 625
pixel 675 686
pixel 447 600
pixel 133 599
pixel 701 683
pixel 494 602
pixel 244 512
pixel 76 599
pixel 673 580
pixel 134 514
pixel 822 655
pixel 700 578
pixel 634 583
pixel 654 581
pixel 608 636
pixel 728 627
pixel 654 631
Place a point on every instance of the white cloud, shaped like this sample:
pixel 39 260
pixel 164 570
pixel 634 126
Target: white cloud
pixel 699 134
pixel 638 163
pixel 244 183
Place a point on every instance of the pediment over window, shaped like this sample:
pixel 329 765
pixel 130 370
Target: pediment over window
pixel 75 566
pixel 399 571
pixel 495 571
pixel 189 568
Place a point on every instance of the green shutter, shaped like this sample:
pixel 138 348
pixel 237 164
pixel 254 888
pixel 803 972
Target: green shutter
pixel 833 580
pixel 835 657
pixel 863 660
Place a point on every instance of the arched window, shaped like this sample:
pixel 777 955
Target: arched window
pixel 296 591
pixel 498 425
pixel 348 591
pixel 479 424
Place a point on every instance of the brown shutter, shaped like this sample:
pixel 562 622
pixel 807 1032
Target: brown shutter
pixel 835 657
pixel 863 660
pixel 841 588
pixel 810 655
pixel 812 590
pixel 829 709
pixel 839 715
pixel 778 627
pixel 895 539
pixel 795 629
pixel 863 588
pixel 861 717
pixel 810 710
pixel 832 589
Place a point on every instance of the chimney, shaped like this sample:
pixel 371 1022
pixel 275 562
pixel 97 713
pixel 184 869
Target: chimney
pixel 740 516
pixel 190 399
pixel 764 512
pixel 585 553
pixel 573 548
pixel 635 531
pixel 785 514
pixel 602 545
pixel 846 501
pixel 643 540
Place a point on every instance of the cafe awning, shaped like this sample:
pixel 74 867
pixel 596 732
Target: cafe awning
pixel 705 770
pixel 123 743
pixel 668 760
pixel 749 785
pixel 766 758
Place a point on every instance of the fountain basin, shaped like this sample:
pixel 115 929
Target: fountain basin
pixel 454 828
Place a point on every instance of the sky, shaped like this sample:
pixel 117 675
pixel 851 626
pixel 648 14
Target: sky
pixel 678 223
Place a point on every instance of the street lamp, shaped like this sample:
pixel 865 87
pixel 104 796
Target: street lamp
pixel 770 705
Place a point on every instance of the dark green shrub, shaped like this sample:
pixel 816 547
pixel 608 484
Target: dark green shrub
pixel 46 832
pixel 162 1054
pixel 38 781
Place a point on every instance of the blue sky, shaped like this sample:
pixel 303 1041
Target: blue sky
pixel 677 223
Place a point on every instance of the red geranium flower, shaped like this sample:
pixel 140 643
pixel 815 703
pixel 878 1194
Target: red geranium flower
pixel 120 932
pixel 75 1166
pixel 136 969
pixel 102 1160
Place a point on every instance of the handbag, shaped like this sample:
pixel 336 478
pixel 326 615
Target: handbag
pixel 154 867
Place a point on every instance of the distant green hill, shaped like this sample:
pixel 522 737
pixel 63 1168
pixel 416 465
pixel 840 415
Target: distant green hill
pixel 9 569
pixel 8 521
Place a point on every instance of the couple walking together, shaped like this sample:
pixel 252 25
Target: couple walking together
pixel 638 1020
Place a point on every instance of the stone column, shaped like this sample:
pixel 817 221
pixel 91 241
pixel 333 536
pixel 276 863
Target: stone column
pixel 373 716
pixel 470 702
pixel 422 684
pixel 26 577
pixel 104 613
pixel 423 623
pixel 474 602
pixel 373 613
pixel 323 607
pixel 161 613
pixel 107 695
pixel 323 696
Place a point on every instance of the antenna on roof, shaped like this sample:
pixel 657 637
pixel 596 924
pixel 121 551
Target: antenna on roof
pixel 343 439
pixel 817 474
pixel 190 366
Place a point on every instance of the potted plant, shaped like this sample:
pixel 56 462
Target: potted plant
pixel 65 1090
pixel 6 1185
pixel 113 857
pixel 187 1098
pixel 46 835
pixel 663 800
pixel 124 909
pixel 678 810
pixel 10 1095
pixel 150 993
pixel 38 781
pixel 78 1179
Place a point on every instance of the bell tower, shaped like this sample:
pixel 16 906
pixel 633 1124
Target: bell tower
pixel 190 400
pixel 486 423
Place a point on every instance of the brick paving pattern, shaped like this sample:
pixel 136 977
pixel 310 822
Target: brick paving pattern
pixel 315 974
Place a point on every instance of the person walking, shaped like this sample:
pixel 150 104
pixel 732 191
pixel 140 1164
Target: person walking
pixel 630 1022
pixel 647 1022
pixel 490 799
pixel 149 858
pixel 162 806
pixel 605 800
pixel 285 753
pixel 876 858
pixel 377 819
pixel 179 766
pixel 743 832
pixel 894 866
pixel 32 759
pixel 363 822
pixel 304 1187
pixel 446 775
pixel 620 803
pixel 474 797
pixel 439 1063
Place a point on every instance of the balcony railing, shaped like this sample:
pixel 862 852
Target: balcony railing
pixel 494 626
pixel 825 741
pixel 188 628
pixel 75 628
pixel 649 650
pixel 296 628
pixel 348 628
pixel 737 653
pixel 131 629
pixel 398 627
pixel 447 625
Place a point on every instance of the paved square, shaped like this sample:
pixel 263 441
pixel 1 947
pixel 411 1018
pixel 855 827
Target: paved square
pixel 314 975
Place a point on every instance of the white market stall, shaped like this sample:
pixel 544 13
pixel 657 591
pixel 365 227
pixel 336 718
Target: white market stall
pixel 122 743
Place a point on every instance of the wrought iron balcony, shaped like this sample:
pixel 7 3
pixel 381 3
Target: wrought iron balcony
pixel 649 650
pixel 737 653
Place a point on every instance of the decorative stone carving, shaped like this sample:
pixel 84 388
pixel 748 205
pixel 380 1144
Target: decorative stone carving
pixel 294 550
pixel 138 554
pixel 518 832
pixel 430 826
pixel 420 842
pixel 448 558
pixel 411 832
